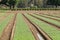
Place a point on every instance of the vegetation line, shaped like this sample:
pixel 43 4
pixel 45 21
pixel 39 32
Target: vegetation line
pixel 45 36
pixel 56 26
pixel 49 17
pixel 6 35
pixel 13 29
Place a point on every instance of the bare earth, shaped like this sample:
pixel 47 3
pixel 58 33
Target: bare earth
pixel 8 32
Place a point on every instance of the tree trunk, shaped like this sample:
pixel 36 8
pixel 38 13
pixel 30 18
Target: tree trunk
pixel 10 6
pixel 56 6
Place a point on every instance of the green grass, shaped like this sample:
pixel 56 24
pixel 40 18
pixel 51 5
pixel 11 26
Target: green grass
pixel 22 31
pixel 3 11
pixel 2 14
pixel 49 20
pixel 4 23
pixel 56 15
pixel 51 17
pixel 50 30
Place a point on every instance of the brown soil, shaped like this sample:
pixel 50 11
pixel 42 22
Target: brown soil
pixel 3 17
pixel 35 11
pixel 49 17
pixel 7 32
pixel 13 30
pixel 56 26
pixel 35 29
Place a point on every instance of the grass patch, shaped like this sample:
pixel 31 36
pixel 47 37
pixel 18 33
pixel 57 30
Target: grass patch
pixel 22 31
pixel 49 20
pixel 50 30
pixel 4 23
pixel 51 17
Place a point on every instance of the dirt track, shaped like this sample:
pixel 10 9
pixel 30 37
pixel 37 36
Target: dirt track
pixel 6 35
pixel 37 32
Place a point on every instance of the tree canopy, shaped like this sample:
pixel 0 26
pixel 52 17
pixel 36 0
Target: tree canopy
pixel 27 3
pixel 53 2
pixel 9 3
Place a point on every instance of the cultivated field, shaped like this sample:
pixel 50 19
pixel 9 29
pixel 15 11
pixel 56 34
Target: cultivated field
pixel 30 25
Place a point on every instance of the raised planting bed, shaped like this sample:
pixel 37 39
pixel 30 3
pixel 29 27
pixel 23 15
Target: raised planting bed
pixel 2 14
pixel 49 16
pixel 22 31
pixel 2 11
pixel 49 29
pixel 48 20
pixel 4 23
pixel 52 13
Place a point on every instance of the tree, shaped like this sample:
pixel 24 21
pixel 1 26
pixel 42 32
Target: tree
pixel 12 3
pixel 53 2
pixel 22 3
pixel 4 2
pixel 58 2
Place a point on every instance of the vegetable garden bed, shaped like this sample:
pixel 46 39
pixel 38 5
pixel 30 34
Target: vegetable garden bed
pixel 29 25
